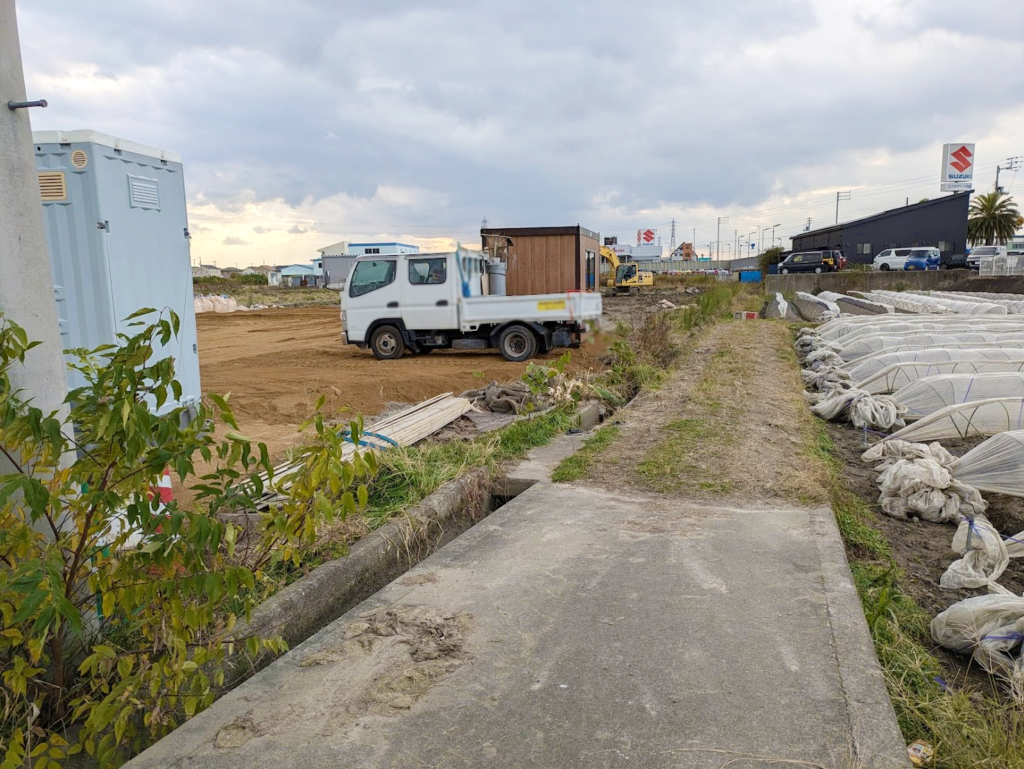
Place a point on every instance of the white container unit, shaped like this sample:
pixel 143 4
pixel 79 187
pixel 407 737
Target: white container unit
pixel 117 229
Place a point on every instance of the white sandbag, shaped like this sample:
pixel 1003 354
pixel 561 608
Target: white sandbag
pixel 991 629
pixel 918 480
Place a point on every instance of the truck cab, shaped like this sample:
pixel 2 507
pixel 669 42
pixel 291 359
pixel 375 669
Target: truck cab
pixel 422 302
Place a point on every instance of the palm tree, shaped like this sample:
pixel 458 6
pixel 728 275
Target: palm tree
pixel 993 217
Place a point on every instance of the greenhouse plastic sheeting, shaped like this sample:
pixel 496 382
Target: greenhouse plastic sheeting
pixel 861 409
pixel 933 393
pixel 935 304
pixel 855 305
pixel 1014 306
pixel 871 345
pixel 847 326
pixel 967 420
pixel 997 465
pixel 892 378
pixel 861 369
pixel 990 628
pixel 813 308
pixel 951 351
pixel 778 307
pixel 903 304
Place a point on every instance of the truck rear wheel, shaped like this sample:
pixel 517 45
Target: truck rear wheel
pixel 517 343
pixel 386 343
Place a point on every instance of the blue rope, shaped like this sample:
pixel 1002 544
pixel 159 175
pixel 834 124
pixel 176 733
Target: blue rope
pixel 347 435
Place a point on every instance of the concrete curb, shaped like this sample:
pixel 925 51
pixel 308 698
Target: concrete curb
pixel 877 740
pixel 313 602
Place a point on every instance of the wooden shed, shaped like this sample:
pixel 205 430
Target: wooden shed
pixel 546 260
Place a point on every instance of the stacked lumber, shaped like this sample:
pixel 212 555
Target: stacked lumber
pixel 403 428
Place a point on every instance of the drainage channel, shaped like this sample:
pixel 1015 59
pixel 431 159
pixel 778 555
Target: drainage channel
pixel 308 605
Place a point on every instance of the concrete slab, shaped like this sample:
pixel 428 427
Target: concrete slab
pixel 573 628
pixel 540 462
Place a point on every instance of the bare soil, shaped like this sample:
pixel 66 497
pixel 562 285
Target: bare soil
pixel 276 363
pixel 720 426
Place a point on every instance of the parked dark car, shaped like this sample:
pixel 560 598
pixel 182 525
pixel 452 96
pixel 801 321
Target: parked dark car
pixel 953 262
pixel 810 261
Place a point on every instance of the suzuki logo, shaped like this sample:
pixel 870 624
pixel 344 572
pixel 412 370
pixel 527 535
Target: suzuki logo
pixel 962 159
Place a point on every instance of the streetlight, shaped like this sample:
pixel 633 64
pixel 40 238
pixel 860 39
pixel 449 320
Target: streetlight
pixel 718 235
pixel 750 237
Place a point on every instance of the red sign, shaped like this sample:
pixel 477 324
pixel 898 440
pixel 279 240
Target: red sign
pixel 962 159
pixel 648 236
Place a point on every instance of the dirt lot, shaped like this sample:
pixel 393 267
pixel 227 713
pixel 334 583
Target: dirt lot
pixel 276 363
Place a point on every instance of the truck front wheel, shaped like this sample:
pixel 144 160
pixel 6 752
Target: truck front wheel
pixel 386 343
pixel 517 343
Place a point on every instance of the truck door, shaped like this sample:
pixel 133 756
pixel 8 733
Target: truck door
pixel 370 293
pixel 430 291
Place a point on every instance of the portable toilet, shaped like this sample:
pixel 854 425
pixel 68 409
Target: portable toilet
pixel 117 229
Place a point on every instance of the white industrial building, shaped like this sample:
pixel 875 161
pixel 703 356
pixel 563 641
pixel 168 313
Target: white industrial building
pixel 335 261
pixel 205 271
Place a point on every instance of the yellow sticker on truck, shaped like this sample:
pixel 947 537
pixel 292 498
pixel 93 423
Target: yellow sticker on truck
pixel 551 304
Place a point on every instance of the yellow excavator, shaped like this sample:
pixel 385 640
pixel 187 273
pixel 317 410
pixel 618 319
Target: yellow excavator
pixel 626 277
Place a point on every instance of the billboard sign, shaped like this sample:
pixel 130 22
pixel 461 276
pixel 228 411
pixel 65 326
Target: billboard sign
pixel 957 167
pixel 645 237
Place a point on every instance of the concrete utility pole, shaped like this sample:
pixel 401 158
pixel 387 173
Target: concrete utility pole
pixel 26 278
pixel 718 236
pixel 840 196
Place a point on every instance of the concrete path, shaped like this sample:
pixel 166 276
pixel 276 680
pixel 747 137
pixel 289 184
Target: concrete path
pixel 573 628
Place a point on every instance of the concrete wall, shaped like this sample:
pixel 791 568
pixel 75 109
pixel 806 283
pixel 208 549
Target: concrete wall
pixel 841 282
pixel 26 277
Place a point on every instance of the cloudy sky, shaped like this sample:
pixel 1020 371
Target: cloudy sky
pixel 307 122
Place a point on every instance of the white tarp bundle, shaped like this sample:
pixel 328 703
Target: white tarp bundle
pixel 850 326
pixel 990 628
pixel 813 308
pixel 920 480
pixel 861 409
pixel 967 420
pixel 933 393
pixel 984 554
pixel 855 305
pixel 872 364
pixel 898 375
pixel 778 307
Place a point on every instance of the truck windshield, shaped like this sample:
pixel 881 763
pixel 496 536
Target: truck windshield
pixel 371 275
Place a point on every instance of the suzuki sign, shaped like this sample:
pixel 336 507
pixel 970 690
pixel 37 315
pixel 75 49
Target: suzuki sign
pixel 957 167
pixel 645 237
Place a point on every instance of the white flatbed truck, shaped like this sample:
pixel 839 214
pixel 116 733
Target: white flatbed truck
pixel 422 302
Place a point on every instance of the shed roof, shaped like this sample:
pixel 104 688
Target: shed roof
pixel 883 215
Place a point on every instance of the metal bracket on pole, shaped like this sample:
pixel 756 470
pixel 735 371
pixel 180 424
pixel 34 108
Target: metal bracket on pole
pixel 13 105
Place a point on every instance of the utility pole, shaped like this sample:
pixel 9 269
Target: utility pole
pixel 672 245
pixel 26 288
pixel 808 227
pixel 1012 164
pixel 840 196
pixel 718 236
pixel 750 238
pixel 736 240
pixel 773 233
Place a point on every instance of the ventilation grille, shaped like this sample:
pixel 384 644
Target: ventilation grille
pixel 143 192
pixel 79 159
pixel 52 186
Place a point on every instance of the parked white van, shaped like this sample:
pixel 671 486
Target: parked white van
pixel 896 258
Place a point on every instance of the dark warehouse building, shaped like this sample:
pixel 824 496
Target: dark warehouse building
pixel 941 222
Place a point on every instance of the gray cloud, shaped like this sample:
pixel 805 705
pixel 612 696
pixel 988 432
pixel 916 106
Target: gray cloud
pixel 259 230
pixel 527 112
pixel 233 240
pixel 297 230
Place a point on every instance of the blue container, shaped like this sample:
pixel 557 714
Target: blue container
pixel 750 276
pixel 117 230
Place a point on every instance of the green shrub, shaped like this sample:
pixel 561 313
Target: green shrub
pixel 117 615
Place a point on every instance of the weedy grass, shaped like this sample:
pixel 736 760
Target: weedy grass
pixel 577 466
pixel 968 725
